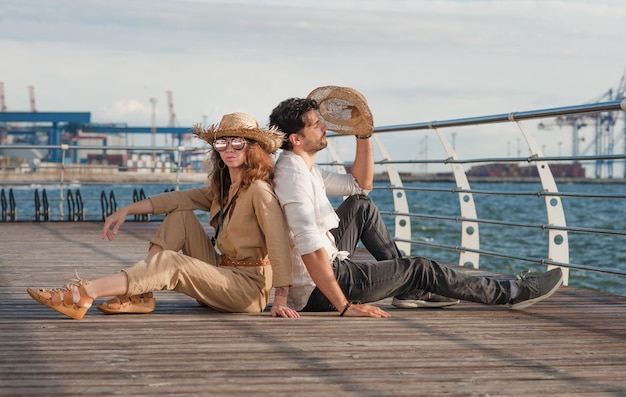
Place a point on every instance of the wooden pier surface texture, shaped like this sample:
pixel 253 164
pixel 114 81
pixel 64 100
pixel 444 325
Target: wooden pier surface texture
pixel 573 344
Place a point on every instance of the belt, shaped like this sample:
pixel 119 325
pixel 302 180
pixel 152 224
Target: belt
pixel 226 261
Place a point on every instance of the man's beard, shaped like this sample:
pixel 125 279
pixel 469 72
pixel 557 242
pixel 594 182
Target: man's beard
pixel 320 145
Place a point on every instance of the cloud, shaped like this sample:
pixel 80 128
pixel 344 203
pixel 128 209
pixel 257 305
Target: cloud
pixel 415 60
pixel 127 109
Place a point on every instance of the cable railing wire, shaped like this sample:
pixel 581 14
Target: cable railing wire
pixel 459 219
pixel 109 203
pixel 534 260
pixel 540 193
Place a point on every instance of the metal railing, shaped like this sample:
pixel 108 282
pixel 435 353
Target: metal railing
pixel 474 240
pixel 62 177
pixel 471 248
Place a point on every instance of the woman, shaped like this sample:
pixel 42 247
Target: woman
pixel 244 211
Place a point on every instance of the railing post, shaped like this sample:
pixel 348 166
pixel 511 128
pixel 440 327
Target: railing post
pixel 64 148
pixel 181 149
pixel 558 244
pixel 469 230
pixel 400 203
pixel 338 166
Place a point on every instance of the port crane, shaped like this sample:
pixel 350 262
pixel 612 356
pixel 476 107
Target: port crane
pixel 604 140
pixel 173 122
pixel 3 105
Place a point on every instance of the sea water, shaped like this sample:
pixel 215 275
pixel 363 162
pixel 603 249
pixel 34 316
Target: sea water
pixel 588 250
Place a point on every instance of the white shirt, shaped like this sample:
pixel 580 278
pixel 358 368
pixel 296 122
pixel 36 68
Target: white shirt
pixel 310 215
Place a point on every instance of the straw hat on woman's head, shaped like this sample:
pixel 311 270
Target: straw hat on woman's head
pixel 344 110
pixel 241 125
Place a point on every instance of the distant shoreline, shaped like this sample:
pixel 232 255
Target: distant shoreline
pixel 76 176
pixel 494 179
pixel 86 176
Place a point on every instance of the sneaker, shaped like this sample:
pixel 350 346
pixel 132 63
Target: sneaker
pixel 424 300
pixel 534 289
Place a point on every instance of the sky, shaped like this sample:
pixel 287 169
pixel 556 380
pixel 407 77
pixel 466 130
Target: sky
pixel 414 60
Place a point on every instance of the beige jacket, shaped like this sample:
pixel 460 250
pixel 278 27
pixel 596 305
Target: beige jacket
pixel 256 230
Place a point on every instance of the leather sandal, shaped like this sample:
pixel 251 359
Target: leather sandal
pixel 62 299
pixel 136 304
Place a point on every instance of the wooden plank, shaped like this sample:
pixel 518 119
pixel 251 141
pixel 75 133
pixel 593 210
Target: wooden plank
pixel 572 344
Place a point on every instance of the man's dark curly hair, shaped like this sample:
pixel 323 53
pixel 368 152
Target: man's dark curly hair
pixel 288 117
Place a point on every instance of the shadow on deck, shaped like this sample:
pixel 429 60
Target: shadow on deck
pixel 571 344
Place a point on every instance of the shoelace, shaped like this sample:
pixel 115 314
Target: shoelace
pixel 76 281
pixel 526 281
pixel 67 288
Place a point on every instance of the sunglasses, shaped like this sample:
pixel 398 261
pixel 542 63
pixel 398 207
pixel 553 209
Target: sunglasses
pixel 237 143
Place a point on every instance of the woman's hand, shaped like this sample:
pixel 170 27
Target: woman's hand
pixel 279 307
pixel 112 224
pixel 283 311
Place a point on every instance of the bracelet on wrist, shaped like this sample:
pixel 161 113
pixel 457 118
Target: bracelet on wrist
pixel 345 309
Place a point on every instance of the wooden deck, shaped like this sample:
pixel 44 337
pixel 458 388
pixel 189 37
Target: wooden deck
pixel 572 344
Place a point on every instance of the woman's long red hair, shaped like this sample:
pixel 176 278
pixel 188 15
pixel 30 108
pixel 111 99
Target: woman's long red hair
pixel 257 165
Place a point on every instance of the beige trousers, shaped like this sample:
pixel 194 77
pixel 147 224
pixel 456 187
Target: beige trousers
pixel 194 271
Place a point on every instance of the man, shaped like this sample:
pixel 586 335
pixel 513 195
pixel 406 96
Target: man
pixel 325 278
